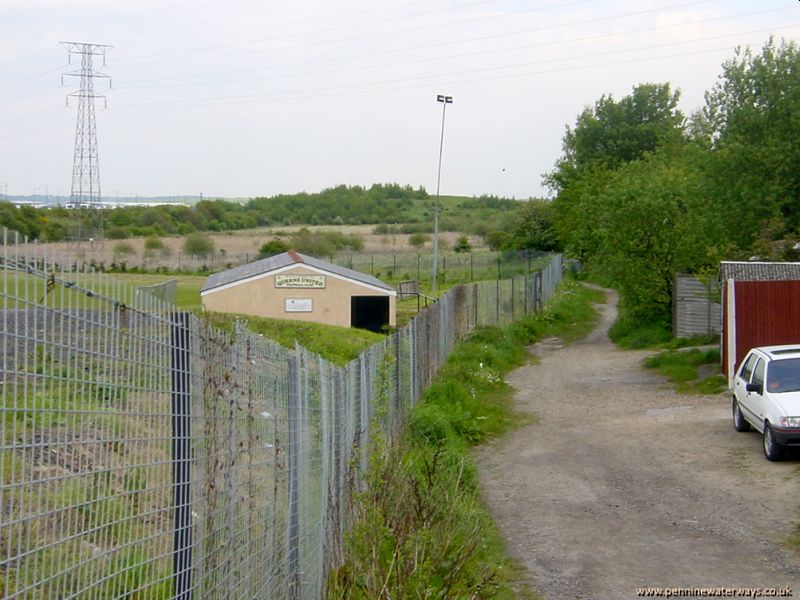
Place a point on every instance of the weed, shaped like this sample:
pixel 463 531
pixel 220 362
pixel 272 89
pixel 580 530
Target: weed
pixel 682 368
pixel 420 530
pixel 630 334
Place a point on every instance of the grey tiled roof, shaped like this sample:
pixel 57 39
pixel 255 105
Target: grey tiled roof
pixel 759 271
pixel 279 261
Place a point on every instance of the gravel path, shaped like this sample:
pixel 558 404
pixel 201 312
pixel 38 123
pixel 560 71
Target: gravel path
pixel 623 483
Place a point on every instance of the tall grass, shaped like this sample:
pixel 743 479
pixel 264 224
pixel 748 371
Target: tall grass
pixel 420 529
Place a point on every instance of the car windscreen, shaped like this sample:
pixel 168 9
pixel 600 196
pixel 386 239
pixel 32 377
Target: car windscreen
pixel 784 375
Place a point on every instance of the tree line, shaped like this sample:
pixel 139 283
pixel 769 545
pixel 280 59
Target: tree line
pixel 643 192
pixel 380 203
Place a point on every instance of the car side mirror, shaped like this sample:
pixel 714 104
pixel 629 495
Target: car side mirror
pixel 754 387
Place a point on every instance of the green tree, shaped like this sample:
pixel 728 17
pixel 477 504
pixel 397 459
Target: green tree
pixel 750 125
pixel 198 244
pixel 535 226
pixel 497 240
pixel 612 133
pixel 654 222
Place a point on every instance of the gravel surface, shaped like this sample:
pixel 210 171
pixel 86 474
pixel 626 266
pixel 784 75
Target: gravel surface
pixel 624 484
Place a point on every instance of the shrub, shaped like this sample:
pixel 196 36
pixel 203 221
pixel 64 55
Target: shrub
pixel 198 244
pixel 117 233
pixel 122 250
pixel 153 243
pixel 462 244
pixel 417 240
pixel 271 248
pixel 497 240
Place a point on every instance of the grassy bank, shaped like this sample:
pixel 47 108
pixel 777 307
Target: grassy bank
pixel 420 530
pixel 339 345
pixel 692 371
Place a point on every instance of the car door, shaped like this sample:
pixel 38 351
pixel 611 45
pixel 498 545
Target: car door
pixel 747 402
pixel 755 400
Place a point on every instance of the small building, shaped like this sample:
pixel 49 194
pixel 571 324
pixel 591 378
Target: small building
pixel 761 307
pixel 302 288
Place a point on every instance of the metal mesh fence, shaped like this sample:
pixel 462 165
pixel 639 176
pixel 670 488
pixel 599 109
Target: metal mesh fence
pixel 452 266
pixel 145 454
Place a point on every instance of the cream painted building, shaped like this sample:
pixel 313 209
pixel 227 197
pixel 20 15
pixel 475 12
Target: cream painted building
pixel 302 288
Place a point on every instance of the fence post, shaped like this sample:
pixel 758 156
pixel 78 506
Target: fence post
pixel 537 294
pixel 181 458
pixel 475 302
pixel 399 413
pixel 512 299
pixel 293 461
pixel 497 302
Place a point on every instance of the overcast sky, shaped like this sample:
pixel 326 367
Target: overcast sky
pixel 240 98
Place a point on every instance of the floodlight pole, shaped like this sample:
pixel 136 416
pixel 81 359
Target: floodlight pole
pixel 445 100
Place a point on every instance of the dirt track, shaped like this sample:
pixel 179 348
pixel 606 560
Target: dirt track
pixel 625 484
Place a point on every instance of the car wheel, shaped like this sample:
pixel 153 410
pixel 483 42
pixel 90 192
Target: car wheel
pixel 739 422
pixel 772 450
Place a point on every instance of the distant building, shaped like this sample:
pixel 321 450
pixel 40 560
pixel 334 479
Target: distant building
pixel 303 288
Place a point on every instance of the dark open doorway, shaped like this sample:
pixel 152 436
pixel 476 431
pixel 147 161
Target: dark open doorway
pixel 369 312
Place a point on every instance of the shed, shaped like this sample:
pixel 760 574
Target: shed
pixel 761 307
pixel 696 308
pixel 302 288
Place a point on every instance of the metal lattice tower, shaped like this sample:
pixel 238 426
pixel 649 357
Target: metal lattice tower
pixel 85 191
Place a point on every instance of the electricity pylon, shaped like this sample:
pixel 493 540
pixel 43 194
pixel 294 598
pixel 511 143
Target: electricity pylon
pixel 85 191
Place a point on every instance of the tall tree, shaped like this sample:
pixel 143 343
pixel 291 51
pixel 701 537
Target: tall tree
pixel 751 124
pixel 654 222
pixel 612 133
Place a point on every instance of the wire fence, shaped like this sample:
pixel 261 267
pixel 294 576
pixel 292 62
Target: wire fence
pixel 145 454
pixel 451 266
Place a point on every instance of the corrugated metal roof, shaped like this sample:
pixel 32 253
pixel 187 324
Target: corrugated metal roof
pixel 279 261
pixel 759 271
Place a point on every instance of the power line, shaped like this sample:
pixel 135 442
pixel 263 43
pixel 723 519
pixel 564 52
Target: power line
pixel 384 34
pixel 31 78
pixel 447 57
pixel 323 30
pixel 321 91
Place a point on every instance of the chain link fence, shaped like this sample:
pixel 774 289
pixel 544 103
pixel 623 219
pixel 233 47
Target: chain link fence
pixel 145 454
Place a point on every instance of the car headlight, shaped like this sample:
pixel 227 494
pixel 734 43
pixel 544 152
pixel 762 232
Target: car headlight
pixel 789 421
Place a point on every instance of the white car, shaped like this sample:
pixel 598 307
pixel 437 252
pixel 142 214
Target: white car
pixel 766 396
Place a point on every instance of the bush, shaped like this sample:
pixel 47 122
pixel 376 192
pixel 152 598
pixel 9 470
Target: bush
pixel 153 243
pixel 497 240
pixel 122 250
pixel 198 244
pixel 418 240
pixel 271 248
pixel 462 244
pixel 117 233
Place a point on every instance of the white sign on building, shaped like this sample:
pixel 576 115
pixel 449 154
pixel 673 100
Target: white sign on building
pixel 298 305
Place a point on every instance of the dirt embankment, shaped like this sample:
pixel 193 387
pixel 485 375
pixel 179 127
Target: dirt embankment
pixel 624 484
